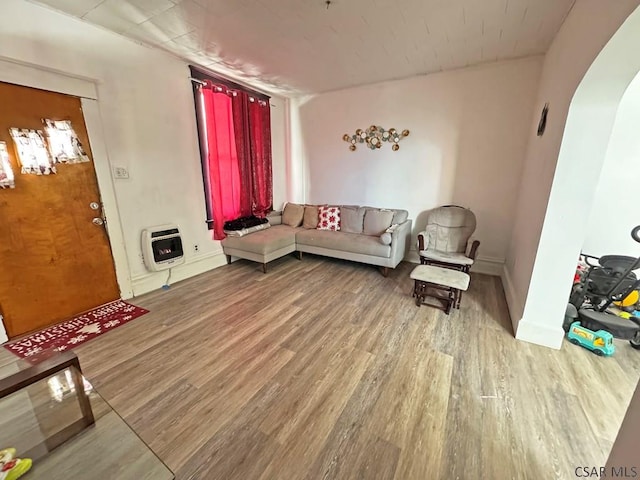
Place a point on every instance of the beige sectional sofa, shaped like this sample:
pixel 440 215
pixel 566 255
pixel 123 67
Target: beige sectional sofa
pixel 367 235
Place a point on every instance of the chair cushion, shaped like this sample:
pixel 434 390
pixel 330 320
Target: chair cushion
pixel 449 228
pixel 446 257
pixel 441 276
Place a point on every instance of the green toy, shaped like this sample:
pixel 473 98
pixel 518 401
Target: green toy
pixel 12 468
pixel 600 342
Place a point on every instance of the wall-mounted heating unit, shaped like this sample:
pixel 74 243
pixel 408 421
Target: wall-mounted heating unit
pixel 162 247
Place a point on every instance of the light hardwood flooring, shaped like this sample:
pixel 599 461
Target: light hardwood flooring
pixel 325 369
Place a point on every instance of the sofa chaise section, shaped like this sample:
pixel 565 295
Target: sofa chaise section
pixel 263 246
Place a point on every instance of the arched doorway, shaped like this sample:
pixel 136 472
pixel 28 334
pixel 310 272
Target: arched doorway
pixel 587 132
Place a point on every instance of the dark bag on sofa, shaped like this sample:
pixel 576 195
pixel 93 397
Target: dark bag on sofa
pixel 244 222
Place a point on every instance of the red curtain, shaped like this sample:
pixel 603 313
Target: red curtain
pixel 260 141
pixel 222 159
pixel 240 102
pixel 237 130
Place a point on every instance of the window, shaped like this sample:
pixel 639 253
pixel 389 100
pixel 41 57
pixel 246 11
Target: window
pixel 64 144
pixel 32 151
pixel 234 128
pixel 6 172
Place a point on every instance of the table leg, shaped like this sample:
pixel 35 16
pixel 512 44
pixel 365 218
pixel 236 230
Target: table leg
pixel 83 399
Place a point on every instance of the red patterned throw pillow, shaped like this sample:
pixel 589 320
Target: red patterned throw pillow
pixel 328 218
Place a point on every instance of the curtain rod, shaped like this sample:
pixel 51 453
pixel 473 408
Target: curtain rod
pixel 201 73
pixel 200 82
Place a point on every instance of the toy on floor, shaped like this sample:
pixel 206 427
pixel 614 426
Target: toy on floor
pixel 629 301
pixel 606 295
pixel 600 342
pixel 12 468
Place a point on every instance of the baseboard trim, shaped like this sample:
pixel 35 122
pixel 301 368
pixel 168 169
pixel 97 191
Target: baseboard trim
pixel 515 306
pixel 543 335
pixel 527 330
pixel 153 281
pixel 412 256
pixel 488 265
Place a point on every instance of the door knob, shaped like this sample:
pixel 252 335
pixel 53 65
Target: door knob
pixel 94 205
pixel 97 221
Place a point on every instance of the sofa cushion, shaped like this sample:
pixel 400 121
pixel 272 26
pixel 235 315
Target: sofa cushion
pixel 377 221
pixel 329 218
pixel 351 219
pixel 264 241
pixel 293 214
pixel 346 242
pixel 400 216
pixel 310 219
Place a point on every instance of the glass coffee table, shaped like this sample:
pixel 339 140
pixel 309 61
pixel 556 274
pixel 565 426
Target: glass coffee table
pixel 50 413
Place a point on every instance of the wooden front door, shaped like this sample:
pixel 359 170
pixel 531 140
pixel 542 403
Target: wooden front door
pixel 54 262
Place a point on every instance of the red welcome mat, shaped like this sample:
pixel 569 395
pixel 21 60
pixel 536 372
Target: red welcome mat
pixel 80 329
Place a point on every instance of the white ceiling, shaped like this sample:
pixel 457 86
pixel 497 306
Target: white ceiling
pixel 295 47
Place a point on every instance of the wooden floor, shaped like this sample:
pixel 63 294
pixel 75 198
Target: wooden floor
pixel 324 369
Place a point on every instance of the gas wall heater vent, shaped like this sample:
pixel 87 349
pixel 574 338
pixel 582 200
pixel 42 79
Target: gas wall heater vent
pixel 162 247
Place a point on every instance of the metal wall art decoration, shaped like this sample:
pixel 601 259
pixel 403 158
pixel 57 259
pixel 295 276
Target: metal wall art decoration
pixel 374 136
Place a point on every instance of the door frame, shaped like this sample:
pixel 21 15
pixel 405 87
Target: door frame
pixel 35 76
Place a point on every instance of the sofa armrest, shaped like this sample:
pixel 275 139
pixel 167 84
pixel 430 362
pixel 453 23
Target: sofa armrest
pixel 275 217
pixel 472 248
pixel 400 242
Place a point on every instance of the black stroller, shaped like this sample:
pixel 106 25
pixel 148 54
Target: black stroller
pixel 609 280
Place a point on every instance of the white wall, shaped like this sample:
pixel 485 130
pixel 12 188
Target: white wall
pixel 296 168
pixel 616 207
pixel 147 111
pixel 468 136
pixel 588 27
pixel 584 147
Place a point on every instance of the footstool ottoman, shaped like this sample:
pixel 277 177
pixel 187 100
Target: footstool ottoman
pixel 443 284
